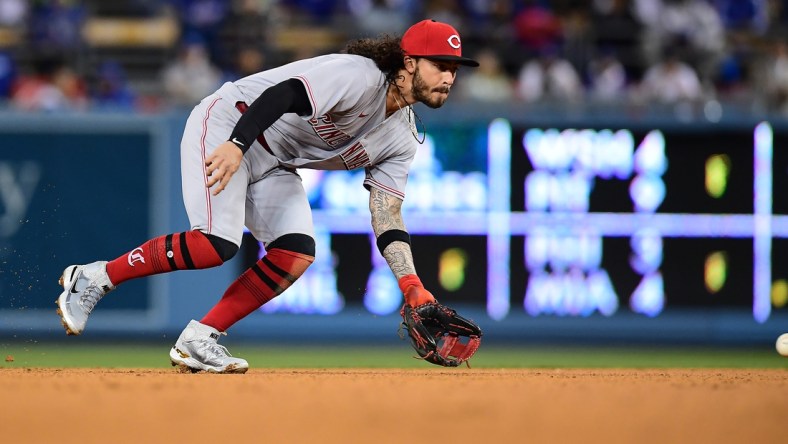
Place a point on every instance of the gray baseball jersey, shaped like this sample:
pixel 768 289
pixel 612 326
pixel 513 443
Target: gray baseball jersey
pixel 348 129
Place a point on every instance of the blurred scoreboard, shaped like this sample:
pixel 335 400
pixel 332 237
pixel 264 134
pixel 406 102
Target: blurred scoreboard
pixel 646 219
pixel 566 221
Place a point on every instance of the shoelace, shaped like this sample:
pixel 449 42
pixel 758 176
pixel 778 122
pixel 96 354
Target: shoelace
pixel 90 297
pixel 214 351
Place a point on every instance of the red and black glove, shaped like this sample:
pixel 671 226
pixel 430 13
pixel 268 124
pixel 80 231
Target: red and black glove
pixel 439 335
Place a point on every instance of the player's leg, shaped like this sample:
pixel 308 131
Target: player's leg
pixel 196 348
pixel 217 224
pixel 85 285
pixel 216 221
pixel 278 214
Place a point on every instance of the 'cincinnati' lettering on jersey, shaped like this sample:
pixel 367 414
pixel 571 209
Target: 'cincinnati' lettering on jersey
pixel 355 156
pixel 326 129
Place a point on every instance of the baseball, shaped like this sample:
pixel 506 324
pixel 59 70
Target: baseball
pixel 782 344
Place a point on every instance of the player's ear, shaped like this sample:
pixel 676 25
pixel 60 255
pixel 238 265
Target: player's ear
pixel 410 64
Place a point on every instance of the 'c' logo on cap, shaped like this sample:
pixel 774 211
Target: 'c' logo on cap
pixel 454 41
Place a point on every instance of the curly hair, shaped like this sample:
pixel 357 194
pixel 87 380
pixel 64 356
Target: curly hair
pixel 385 51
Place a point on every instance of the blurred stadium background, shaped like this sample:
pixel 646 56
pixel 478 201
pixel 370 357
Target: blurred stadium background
pixel 613 174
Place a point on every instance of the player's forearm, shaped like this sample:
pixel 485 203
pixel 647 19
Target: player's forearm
pixel 387 217
pixel 400 259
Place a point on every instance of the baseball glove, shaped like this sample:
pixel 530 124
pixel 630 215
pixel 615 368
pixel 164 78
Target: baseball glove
pixel 439 334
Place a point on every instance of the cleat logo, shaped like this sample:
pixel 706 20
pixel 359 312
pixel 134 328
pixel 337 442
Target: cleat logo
pixel 135 256
pixel 73 288
pixel 181 354
pixel 72 281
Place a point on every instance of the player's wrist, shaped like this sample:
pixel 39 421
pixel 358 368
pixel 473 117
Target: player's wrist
pixel 235 140
pixel 414 291
pixel 409 280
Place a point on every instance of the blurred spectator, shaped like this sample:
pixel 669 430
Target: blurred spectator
pixel 54 87
pixel 743 15
pixel 607 77
pixel 695 22
pixel 111 89
pixel 549 77
pixel 250 60
pixel 731 77
pixel 7 75
pixel 245 26
pixel 670 81
pixel 56 24
pixel 375 17
pixel 488 82
pixel 13 12
pixel 745 21
pixel 446 11
pixel 647 11
pixel 777 14
pixel 773 78
pixel 489 24
pixel 129 8
pixel 72 86
pixel 617 29
pixel 319 12
pixel 202 18
pixel 578 37
pixel 536 27
pixel 191 76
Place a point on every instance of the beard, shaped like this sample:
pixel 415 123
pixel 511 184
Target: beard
pixel 422 93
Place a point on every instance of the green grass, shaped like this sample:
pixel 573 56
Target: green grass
pixel 155 356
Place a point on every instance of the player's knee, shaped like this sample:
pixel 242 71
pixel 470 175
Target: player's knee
pixel 296 242
pixel 224 248
pixel 291 254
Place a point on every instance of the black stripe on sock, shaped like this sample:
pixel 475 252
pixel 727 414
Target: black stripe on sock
pixel 187 258
pixel 169 253
pixel 279 271
pixel 267 280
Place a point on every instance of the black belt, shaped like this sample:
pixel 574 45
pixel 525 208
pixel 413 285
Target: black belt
pixel 243 107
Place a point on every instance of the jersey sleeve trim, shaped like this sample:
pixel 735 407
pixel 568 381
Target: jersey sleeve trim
pixel 369 182
pixel 311 97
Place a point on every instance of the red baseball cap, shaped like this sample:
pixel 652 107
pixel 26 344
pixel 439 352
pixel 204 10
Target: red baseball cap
pixel 434 40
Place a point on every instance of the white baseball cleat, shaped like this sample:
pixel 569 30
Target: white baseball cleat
pixel 197 350
pixel 83 287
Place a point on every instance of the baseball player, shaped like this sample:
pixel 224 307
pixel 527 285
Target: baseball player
pixel 240 153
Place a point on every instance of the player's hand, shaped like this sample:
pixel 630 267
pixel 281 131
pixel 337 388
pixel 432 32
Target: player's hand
pixel 222 164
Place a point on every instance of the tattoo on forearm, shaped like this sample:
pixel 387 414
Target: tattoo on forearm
pixel 385 210
pixel 387 215
pixel 400 259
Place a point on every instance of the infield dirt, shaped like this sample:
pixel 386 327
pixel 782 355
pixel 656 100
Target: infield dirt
pixel 394 406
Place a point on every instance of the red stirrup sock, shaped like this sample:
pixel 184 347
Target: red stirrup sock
pixel 265 280
pixel 180 251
